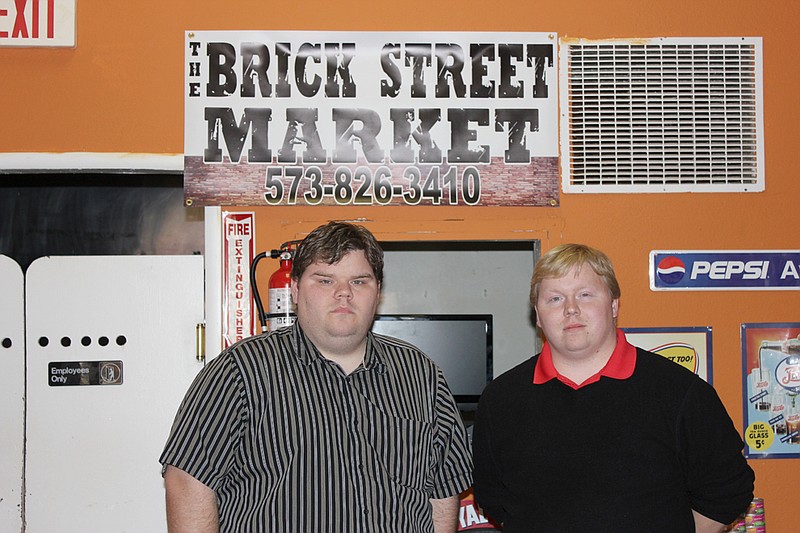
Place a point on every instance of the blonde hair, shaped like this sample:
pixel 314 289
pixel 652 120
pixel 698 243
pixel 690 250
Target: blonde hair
pixel 560 260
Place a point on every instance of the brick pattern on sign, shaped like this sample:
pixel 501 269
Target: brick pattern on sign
pixel 243 184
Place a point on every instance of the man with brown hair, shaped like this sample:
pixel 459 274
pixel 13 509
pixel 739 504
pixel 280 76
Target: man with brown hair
pixel 323 426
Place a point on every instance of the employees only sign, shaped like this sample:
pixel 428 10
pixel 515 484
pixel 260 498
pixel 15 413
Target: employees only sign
pixel 370 118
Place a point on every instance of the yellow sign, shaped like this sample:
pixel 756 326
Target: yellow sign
pixel 759 436
pixel 683 354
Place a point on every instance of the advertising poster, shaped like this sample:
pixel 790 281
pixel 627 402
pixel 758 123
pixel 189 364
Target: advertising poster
pixel 771 385
pixel 371 118
pixel 470 517
pixel 724 270
pixel 689 347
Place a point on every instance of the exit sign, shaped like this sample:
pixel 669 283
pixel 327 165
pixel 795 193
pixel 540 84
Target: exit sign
pixel 27 23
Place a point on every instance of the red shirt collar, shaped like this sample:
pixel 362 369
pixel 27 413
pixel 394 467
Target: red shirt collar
pixel 619 366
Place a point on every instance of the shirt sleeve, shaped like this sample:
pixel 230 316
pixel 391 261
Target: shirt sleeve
pixel 209 424
pixel 454 474
pixel 719 480
pixel 489 491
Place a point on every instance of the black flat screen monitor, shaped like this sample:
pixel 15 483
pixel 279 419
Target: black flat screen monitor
pixel 460 344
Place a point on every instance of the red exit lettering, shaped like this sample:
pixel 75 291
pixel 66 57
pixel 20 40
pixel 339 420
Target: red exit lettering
pixel 25 28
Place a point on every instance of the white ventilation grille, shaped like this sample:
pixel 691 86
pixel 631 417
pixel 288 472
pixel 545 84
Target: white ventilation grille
pixel 662 115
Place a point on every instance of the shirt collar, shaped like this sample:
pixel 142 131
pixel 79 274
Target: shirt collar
pixel 375 356
pixel 619 366
pixel 304 349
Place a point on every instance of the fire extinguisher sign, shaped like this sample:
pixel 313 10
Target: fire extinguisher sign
pixel 238 249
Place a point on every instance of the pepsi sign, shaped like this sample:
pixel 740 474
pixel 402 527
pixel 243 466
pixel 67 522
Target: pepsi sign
pixel 787 374
pixel 725 270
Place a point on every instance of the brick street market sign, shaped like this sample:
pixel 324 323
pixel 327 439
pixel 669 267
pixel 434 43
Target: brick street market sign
pixel 370 118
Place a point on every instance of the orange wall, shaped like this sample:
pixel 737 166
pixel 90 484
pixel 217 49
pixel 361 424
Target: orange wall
pixel 120 90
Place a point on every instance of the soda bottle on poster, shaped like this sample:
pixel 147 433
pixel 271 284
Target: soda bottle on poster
pixel 759 385
pixel 793 421
pixel 778 411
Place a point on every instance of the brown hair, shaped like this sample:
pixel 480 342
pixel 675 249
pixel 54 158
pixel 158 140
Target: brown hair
pixel 561 259
pixel 329 243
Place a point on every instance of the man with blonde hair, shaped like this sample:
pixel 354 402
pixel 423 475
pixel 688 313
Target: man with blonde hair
pixel 594 434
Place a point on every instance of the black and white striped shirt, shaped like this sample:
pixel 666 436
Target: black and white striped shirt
pixel 289 443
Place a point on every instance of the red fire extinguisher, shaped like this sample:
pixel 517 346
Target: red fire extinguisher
pixel 280 294
pixel 280 310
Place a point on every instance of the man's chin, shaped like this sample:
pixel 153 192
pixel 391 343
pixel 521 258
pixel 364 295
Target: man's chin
pixel 345 329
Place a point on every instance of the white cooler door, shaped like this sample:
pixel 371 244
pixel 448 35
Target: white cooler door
pixel 12 393
pixel 111 351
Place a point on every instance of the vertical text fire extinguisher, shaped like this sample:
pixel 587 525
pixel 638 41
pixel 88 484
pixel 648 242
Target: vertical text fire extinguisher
pixel 280 310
